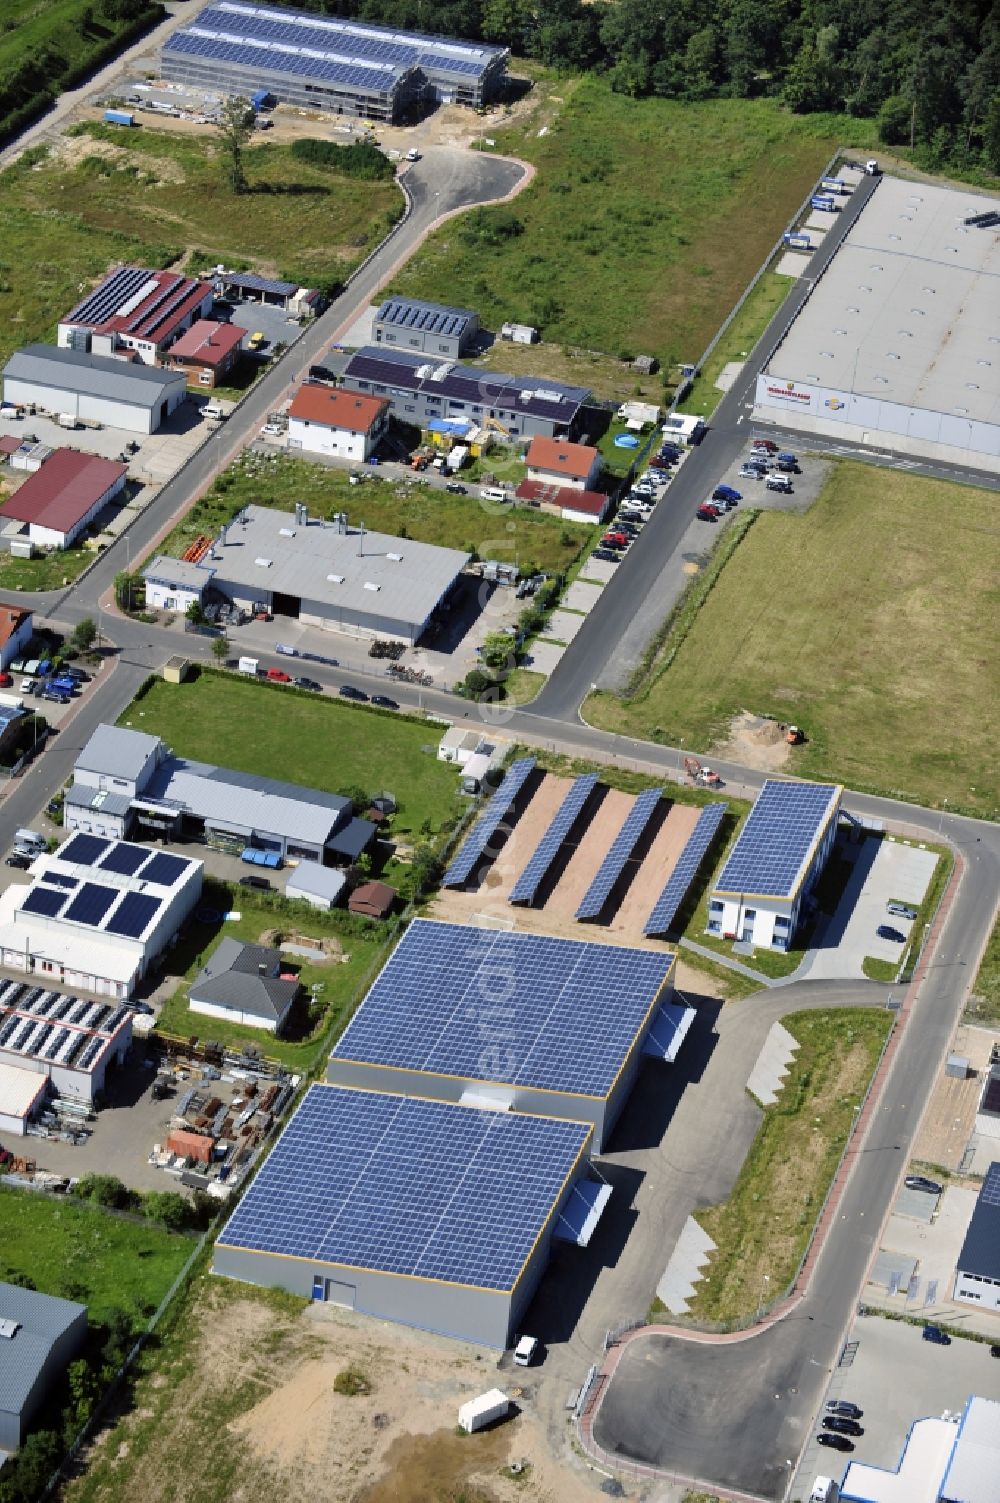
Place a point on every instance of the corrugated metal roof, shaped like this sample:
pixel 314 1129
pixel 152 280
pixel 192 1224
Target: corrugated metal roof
pixel 973 1475
pixel 319 881
pixel 247 802
pixel 112 804
pixel 42 1320
pixel 126 381
pixel 64 489
pixel 116 752
pixel 177 573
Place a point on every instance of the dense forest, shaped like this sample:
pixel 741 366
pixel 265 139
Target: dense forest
pixel 928 71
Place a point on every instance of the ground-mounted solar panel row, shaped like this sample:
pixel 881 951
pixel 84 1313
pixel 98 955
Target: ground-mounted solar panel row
pixel 572 806
pixel 624 844
pixel 482 832
pixel 670 899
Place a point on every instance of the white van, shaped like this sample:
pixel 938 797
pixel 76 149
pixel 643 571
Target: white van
pixel 494 493
pixel 213 410
pixel 524 1352
pixel 29 842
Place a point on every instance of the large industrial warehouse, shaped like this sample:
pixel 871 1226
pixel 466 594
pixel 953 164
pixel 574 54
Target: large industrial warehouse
pixel 328 574
pixel 421 1212
pixel 524 1022
pixel 328 63
pixel 898 345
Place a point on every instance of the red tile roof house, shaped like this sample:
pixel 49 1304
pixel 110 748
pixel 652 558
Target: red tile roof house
pixel 570 505
pixel 135 310
pixel 16 627
pixel 63 496
pixel 553 461
pixel 328 420
pixel 207 352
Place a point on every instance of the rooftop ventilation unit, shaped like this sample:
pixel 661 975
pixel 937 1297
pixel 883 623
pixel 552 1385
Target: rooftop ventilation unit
pixel 9 1329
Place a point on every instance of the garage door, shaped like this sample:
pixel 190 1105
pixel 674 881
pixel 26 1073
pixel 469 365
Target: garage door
pixel 333 1292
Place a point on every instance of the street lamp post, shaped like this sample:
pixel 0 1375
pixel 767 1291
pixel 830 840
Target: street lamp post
pixel 765 1280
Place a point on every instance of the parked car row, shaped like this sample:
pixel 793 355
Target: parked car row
pixel 637 507
pixel 839 1423
pixel 346 691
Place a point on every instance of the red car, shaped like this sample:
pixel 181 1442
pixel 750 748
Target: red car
pixel 707 513
pixel 622 538
pixel 278 676
pixel 764 445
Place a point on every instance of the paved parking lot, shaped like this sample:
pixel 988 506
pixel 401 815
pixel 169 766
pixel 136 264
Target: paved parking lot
pixel 160 454
pixel 896 1378
pixel 806 486
pixel 883 869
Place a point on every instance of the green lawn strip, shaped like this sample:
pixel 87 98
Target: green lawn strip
pixel 879 970
pixel 341 979
pixel 532 539
pixel 738 341
pixel 984 1004
pixel 735 986
pixel 320 743
pixel 79 1251
pixel 797 625
pixel 150 196
pixel 521 686
pixel 927 909
pixel 48 572
pixel 179 1398
pixel 765 1225
pixel 644 223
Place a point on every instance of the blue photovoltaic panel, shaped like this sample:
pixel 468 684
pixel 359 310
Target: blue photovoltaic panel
pixel 83 849
pixel 486 825
pixel 90 904
pixel 362 1179
pixel 43 900
pixel 531 878
pixel 133 914
pixel 124 858
pixel 683 874
pixel 60 880
pixel 622 847
pixel 570 1010
pixel 164 870
pixel 777 839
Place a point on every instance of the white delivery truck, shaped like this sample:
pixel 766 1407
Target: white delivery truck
pixel 823 1491
pixel 484 1410
pixel 248 666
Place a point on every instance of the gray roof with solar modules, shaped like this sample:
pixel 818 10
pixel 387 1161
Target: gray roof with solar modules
pixel 775 847
pixel 423 1189
pixel 981 1249
pixel 572 1010
pixel 428 318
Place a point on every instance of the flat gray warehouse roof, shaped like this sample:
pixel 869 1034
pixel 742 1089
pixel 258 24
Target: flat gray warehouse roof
pixel 268 552
pixel 97 375
pixel 909 309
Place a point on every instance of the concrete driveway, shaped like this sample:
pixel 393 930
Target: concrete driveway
pixel 883 869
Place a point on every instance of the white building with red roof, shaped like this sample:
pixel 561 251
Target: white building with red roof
pixel 331 420
pixel 16 628
pixel 136 310
pixel 207 352
pixel 554 461
pixel 63 497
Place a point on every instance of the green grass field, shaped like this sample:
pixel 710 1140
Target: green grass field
pixel 762 1230
pixel 871 621
pixel 340 980
pixel 48 44
pixel 290 734
pixel 80 1252
pixel 985 1001
pixel 738 340
pixel 153 197
pixel 644 224
pixel 47 572
pixel 532 539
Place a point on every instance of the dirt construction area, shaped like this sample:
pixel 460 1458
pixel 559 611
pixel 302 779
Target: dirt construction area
pixel 574 869
pixel 950 1119
pixel 260 1396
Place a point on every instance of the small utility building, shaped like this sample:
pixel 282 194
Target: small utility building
pixel 775 863
pixel 319 886
pixel 242 984
pixel 525 1022
pixel 65 496
pixel 334 575
pixel 329 420
pixel 977 1273
pixel 39 1337
pixel 415 1211
pixel 410 324
pixel 94 388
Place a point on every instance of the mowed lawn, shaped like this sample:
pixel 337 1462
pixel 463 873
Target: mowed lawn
pixel 871 621
pixel 644 223
pixel 532 539
pixel 152 197
pixel 302 738
pixel 81 1252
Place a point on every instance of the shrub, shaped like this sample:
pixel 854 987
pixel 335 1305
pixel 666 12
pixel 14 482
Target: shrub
pixel 356 160
pixel 352 1383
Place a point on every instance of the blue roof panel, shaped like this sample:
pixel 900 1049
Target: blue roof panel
pixel 680 879
pixel 624 844
pixel 777 842
pixel 364 1179
pixel 570 810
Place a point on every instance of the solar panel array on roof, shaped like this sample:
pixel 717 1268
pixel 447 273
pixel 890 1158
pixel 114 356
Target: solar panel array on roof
pixel 84 849
pixel 164 870
pixel 61 880
pixel 104 302
pixel 991 1095
pixel 429 318
pixel 249 281
pixel 133 915
pixel 779 836
pixel 548 399
pixel 571 1009
pixel 124 858
pixel 623 845
pixel 420 1188
pixel 372 78
pixel 475 843
pixel 44 900
pixel 90 904
pixel 547 850
pixel 680 879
